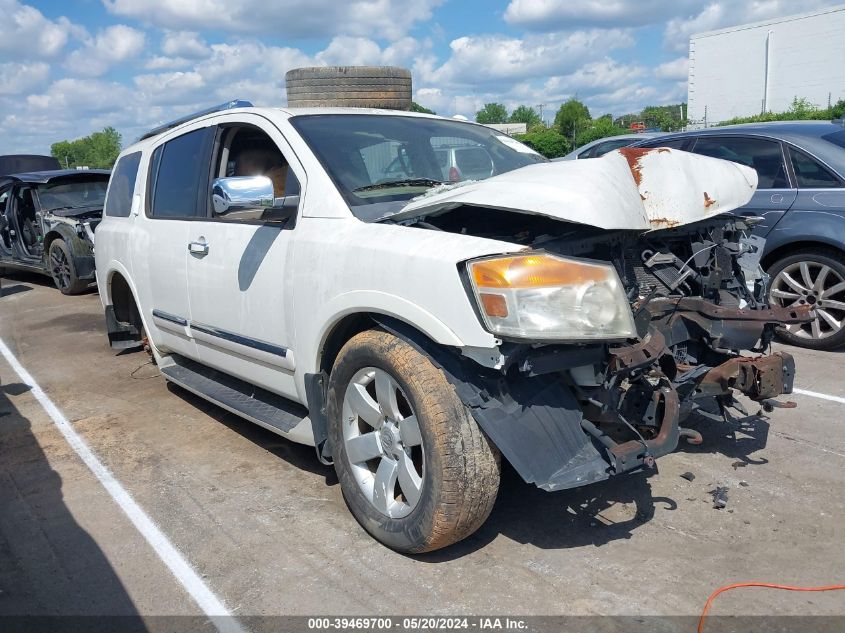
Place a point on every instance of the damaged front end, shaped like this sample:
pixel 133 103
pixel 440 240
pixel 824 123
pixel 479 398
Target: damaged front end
pixel 568 413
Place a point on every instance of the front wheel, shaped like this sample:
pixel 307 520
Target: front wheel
pixel 415 469
pixel 817 278
pixel 62 269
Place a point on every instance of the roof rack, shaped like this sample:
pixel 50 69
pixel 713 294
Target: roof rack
pixel 235 103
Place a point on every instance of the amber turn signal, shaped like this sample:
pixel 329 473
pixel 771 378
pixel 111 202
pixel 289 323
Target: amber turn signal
pixel 533 271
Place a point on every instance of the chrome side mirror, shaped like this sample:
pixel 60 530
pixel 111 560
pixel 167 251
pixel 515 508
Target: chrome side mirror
pixel 241 193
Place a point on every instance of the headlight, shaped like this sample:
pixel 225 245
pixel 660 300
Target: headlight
pixel 541 296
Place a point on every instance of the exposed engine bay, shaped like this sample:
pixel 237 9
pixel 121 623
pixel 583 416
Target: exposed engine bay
pixel 697 293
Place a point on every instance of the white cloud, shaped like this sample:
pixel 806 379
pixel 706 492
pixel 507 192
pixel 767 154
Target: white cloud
pixel 162 62
pixel 495 58
pixel 677 69
pixel 18 78
pixel 112 45
pixel 551 15
pixel 24 31
pixel 717 15
pixel 184 44
pixel 293 18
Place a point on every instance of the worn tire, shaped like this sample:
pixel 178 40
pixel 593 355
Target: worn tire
pixel 70 284
pixel 815 257
pixel 349 86
pixel 462 467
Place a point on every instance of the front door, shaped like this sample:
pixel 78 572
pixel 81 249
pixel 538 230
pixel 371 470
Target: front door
pixel 176 198
pixel 238 267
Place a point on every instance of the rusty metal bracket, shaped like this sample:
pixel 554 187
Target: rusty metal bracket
pixel 777 314
pixel 759 378
pixel 644 353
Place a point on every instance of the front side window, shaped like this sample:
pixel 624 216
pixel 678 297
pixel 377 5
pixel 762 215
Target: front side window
pixel 119 199
pixel 760 154
pixel 380 162
pixel 809 173
pixel 249 151
pixel 179 175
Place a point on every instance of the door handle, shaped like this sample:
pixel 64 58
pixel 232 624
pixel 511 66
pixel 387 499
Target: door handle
pixel 198 248
pixel 777 198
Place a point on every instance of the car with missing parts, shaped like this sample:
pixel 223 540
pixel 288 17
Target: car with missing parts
pixel 47 222
pixel 565 317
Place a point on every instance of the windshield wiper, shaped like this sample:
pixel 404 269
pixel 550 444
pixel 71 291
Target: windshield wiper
pixel 409 182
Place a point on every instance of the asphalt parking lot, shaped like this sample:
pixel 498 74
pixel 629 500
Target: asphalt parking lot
pixel 265 527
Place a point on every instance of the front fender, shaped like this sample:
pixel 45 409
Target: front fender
pixel 81 250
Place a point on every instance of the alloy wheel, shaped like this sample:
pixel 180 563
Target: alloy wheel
pixel 60 267
pixel 815 284
pixel 383 443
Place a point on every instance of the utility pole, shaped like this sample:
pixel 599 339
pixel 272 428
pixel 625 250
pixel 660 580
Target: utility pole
pixel 539 107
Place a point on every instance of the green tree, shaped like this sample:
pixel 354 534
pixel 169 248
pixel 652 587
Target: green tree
pixel 548 141
pixel 492 113
pixel 98 151
pixel 416 107
pixel 570 116
pixel 599 128
pixel 524 114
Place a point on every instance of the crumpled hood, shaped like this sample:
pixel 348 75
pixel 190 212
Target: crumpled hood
pixel 630 188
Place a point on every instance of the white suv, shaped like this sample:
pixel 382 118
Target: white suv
pixel 565 315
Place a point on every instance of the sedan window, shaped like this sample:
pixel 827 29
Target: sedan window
pixel 809 173
pixel 760 154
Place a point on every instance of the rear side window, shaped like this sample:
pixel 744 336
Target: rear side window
pixel 674 143
pixel 603 148
pixel 180 175
pixel 761 154
pixel 809 174
pixel 122 186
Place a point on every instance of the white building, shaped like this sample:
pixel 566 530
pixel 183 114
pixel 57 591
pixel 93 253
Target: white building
pixel 748 69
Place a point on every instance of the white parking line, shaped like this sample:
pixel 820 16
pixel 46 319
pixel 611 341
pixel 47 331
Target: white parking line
pixel 816 394
pixel 210 604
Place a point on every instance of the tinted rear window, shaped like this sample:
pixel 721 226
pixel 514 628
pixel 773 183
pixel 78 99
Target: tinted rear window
pixel 761 154
pixel 181 172
pixel 119 198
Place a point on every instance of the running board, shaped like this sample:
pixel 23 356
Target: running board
pixel 267 409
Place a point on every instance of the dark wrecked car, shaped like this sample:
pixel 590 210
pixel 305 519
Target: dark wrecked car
pixel 47 220
pixel 340 291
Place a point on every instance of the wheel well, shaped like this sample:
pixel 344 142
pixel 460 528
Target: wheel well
pixel 125 309
pixel 343 330
pixel 50 238
pixel 353 324
pixel 793 247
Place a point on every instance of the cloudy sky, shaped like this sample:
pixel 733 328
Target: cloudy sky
pixel 72 67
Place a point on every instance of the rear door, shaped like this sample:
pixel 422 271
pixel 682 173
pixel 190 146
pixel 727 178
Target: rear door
pixel 176 198
pixel 775 192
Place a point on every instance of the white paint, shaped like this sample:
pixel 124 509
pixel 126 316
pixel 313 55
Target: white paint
pixel 602 192
pixel 209 603
pixel 742 70
pixel 816 394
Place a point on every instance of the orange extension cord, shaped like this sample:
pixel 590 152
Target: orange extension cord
pixel 768 585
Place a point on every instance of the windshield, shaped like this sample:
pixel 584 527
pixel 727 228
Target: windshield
pixel 380 162
pixel 72 194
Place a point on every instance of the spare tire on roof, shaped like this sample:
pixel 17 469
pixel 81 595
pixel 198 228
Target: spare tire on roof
pixel 349 86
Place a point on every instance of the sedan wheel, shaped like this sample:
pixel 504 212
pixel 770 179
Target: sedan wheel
pixel 817 280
